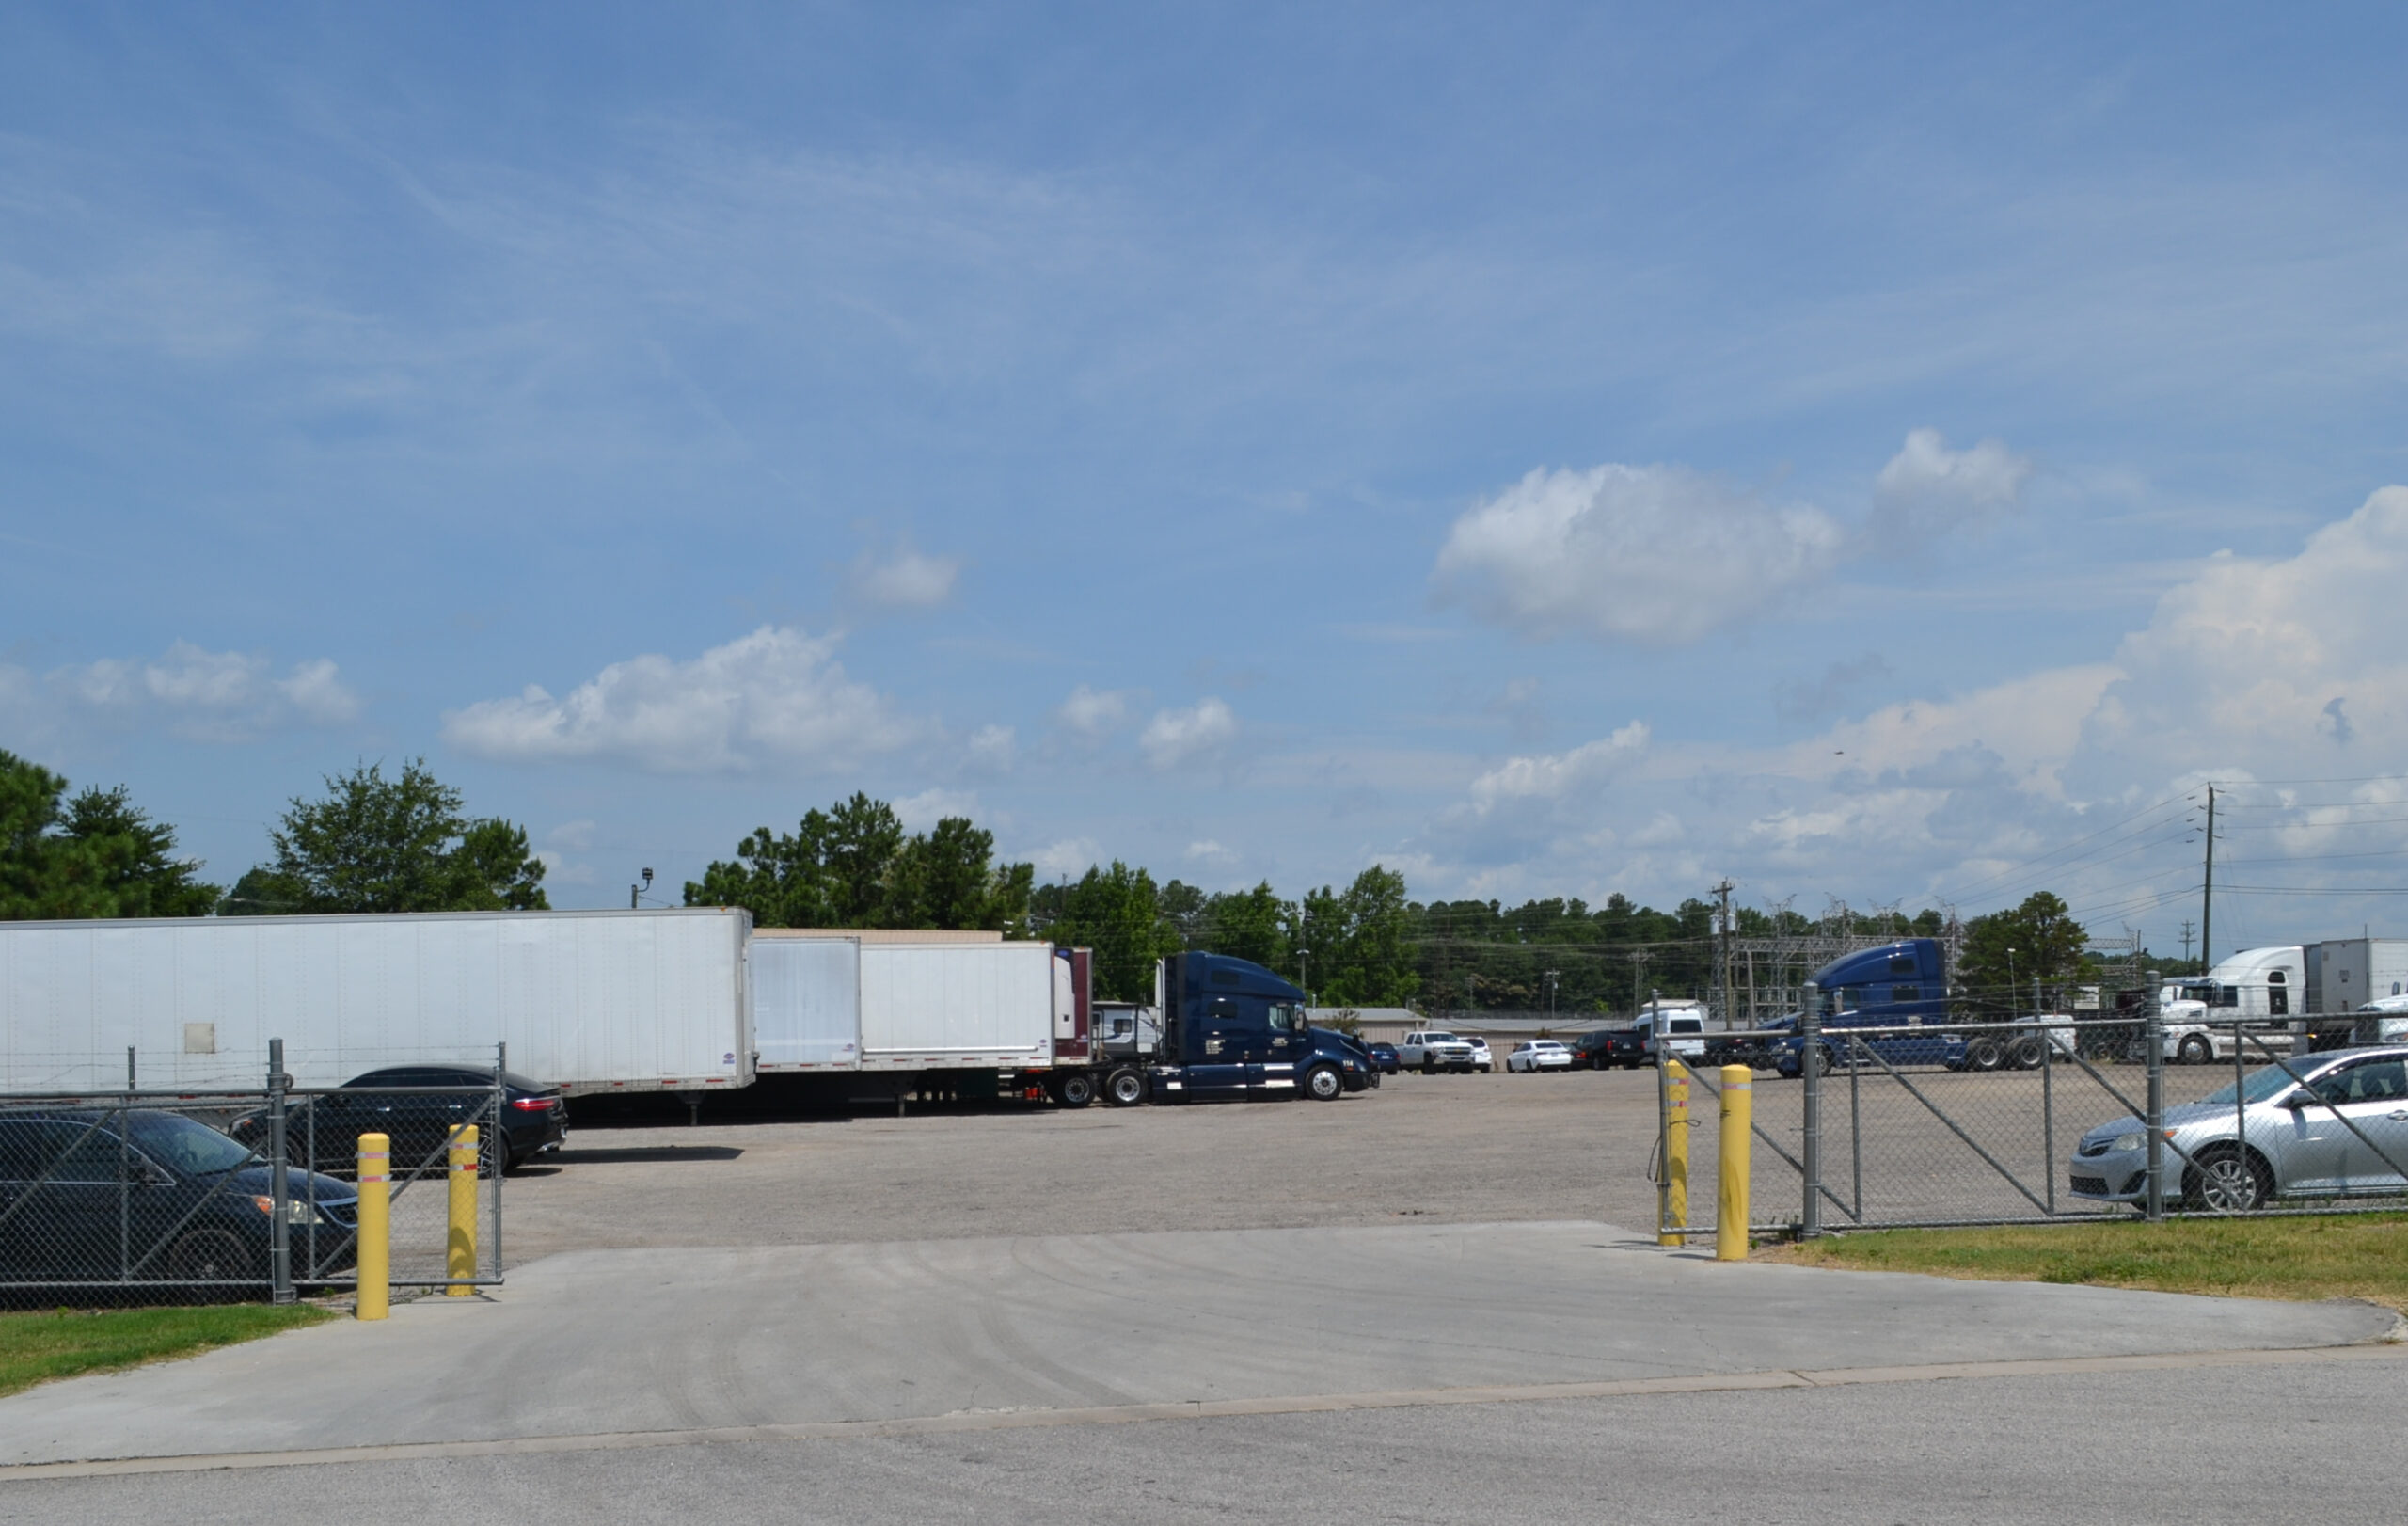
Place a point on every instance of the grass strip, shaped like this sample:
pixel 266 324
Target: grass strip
pixel 2345 1256
pixel 66 1342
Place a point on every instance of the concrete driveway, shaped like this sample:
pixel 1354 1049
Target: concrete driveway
pixel 650 1347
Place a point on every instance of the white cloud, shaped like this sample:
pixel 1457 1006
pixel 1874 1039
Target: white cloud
pixel 1210 851
pixel 1928 490
pixel 1176 736
pixel 210 696
pixel 1556 775
pixel 926 809
pixel 1066 859
pixel 316 691
pixel 906 580
pixel 775 697
pixel 2241 666
pixel 992 749
pixel 1657 555
pixel 1094 713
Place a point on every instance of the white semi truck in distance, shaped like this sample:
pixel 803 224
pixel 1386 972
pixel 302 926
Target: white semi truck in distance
pixel 595 1002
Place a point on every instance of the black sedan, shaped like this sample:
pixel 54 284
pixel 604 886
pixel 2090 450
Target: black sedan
pixel 147 1196
pixel 1605 1049
pixel 534 1118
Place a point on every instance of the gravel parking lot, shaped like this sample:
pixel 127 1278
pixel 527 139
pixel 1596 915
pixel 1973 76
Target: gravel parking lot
pixel 1448 1148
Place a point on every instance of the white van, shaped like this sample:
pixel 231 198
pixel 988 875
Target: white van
pixel 1683 1027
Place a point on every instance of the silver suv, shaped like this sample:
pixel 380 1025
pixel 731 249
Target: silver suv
pixel 2342 1130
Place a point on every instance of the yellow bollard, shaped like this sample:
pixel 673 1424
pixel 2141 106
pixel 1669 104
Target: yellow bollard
pixel 1730 1203
pixel 375 1226
pixel 1676 1151
pixel 460 1261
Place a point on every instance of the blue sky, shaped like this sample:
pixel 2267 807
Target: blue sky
pixel 1858 451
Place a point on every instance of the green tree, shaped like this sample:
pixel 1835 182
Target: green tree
pixel 1117 913
pixel 852 867
pixel 93 856
pixel 2006 951
pixel 947 878
pixel 376 843
pixel 1250 925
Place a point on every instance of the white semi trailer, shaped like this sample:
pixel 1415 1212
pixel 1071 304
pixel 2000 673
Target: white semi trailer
pixel 969 1012
pixel 598 1002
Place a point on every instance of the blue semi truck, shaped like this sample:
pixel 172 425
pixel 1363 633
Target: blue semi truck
pixel 1219 1027
pixel 1903 988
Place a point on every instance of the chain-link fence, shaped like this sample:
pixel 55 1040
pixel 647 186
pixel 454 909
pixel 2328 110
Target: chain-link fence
pixel 2042 1121
pixel 153 1197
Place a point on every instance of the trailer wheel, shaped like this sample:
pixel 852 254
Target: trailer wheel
pixel 1076 1089
pixel 1125 1088
pixel 1322 1084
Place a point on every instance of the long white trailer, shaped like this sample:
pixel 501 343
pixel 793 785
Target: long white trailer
pixel 827 1001
pixel 596 1001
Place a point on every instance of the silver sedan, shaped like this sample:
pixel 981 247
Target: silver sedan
pixel 2340 1130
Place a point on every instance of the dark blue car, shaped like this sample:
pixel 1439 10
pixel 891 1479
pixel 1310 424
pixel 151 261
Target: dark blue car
pixel 143 1196
pixel 1383 1055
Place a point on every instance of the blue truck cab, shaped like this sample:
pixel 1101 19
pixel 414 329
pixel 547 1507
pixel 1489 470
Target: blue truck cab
pixel 1231 1028
pixel 1900 985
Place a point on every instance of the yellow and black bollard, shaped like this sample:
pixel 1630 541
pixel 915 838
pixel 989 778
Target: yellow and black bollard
pixel 1730 1202
pixel 375 1226
pixel 460 1256
pixel 1676 1151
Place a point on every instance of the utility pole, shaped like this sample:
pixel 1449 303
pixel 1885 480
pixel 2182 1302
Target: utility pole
pixel 2187 926
pixel 1638 971
pixel 1722 954
pixel 1550 996
pixel 2208 894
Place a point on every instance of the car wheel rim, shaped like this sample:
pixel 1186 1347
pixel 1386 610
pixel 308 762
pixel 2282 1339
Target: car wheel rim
pixel 2231 1186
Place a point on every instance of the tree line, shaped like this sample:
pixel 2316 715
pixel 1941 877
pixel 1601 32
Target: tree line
pixel 404 843
pixel 370 844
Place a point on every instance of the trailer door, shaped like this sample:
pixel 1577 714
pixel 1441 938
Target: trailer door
pixel 806 1003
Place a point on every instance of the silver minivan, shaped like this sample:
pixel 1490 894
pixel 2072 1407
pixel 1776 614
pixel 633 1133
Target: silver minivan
pixel 2294 1139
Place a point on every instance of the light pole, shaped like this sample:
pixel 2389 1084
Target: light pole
pixel 635 892
pixel 1550 996
pixel 1305 973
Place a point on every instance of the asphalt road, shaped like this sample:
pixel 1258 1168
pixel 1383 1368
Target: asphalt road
pixel 2317 1441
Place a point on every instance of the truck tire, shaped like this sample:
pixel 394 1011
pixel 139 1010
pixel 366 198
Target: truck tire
pixel 1983 1055
pixel 1074 1088
pixel 2026 1054
pixel 2195 1050
pixel 1428 1065
pixel 1820 1057
pixel 1125 1086
pixel 1323 1083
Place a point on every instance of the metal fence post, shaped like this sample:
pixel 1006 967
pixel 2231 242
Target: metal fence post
pixel 2049 1112
pixel 2153 1037
pixel 279 1229
pixel 1810 1029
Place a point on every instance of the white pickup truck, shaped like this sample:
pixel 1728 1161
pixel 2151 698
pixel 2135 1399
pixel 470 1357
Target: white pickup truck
pixel 1434 1051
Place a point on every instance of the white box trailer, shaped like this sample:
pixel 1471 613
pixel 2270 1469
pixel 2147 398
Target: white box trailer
pixel 595 1001
pixel 825 1001
pixel 2345 974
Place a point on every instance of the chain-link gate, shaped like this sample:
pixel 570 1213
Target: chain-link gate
pixel 2026 1121
pixel 184 1197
